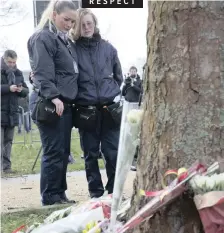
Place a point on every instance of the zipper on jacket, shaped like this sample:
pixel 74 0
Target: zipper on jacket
pixel 95 78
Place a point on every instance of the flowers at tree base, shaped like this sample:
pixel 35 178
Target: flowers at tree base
pixel 91 225
pixel 202 184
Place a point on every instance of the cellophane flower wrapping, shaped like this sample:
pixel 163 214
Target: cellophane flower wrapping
pixel 211 210
pixel 75 217
pixel 209 200
pixel 74 223
pixel 129 139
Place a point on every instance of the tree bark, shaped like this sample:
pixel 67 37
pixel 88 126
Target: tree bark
pixel 183 104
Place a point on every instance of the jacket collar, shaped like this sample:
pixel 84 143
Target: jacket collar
pixel 89 42
pixel 52 28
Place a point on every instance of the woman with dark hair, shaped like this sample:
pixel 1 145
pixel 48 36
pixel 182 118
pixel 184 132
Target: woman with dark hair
pixel 97 114
pixel 54 65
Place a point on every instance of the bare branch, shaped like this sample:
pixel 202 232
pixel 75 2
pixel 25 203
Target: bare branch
pixel 9 9
pixel 11 12
pixel 10 24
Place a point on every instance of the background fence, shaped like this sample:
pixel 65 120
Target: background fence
pixel 27 137
pixel 29 133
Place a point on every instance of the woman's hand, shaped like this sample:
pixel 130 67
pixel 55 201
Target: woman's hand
pixel 13 88
pixel 59 106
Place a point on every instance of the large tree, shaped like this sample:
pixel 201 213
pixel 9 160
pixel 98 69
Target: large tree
pixel 183 105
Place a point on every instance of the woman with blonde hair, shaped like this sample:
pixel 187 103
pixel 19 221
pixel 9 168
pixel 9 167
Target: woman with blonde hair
pixel 54 65
pixel 97 114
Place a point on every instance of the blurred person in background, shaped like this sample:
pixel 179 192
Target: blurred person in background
pixel 13 87
pixel 132 86
pixel 54 65
pixel 100 78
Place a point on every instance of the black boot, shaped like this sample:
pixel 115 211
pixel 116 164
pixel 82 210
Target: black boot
pixel 65 200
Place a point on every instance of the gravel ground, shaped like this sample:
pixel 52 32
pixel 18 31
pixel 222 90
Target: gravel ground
pixel 23 192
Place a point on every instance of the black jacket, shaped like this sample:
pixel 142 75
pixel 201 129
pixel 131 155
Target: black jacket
pixel 54 63
pixel 9 100
pixel 100 74
pixel 132 93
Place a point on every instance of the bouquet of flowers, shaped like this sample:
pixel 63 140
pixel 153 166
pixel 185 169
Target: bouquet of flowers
pixel 209 199
pixel 87 215
pixel 129 139
pixel 165 196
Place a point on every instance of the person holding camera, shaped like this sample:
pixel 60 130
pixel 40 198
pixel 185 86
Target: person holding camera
pixel 54 66
pixel 12 88
pixel 132 86
pixel 97 115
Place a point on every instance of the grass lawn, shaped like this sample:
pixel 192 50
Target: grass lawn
pixel 11 221
pixel 24 154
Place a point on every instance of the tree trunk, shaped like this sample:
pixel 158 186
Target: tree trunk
pixel 183 105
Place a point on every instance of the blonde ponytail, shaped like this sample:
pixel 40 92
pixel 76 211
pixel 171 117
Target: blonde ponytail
pixel 47 15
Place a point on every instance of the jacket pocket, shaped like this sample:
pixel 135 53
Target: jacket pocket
pixel 45 112
pixel 109 89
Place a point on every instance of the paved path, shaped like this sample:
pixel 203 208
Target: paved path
pixel 23 192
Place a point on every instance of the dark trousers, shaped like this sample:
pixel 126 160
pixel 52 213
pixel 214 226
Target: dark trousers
pixel 7 134
pixel 68 133
pixel 108 139
pixel 55 158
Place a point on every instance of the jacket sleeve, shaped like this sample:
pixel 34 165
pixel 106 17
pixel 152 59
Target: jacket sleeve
pixel 124 90
pixel 41 50
pixel 137 88
pixel 5 89
pixel 25 89
pixel 117 71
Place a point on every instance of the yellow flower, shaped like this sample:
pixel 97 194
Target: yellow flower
pixel 98 230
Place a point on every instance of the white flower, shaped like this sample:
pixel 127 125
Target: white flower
pixel 203 184
pixel 192 182
pixel 200 181
pixel 219 179
pixel 210 183
pixel 135 116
